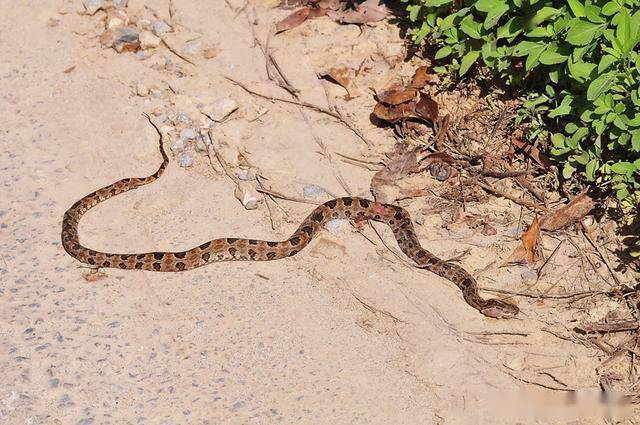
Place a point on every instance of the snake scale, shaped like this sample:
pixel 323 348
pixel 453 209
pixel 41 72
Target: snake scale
pixel 237 249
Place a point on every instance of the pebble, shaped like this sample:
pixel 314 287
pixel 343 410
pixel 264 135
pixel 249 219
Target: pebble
pixel 245 174
pixel 220 109
pixel 121 39
pixel 188 134
pixel 182 117
pixel 116 18
pixel 312 191
pixel 192 47
pixel 148 40
pixel 120 4
pixel 160 27
pixel 336 227
pixel 201 144
pixel 247 195
pixel 92 6
pixel 142 90
pixel 185 160
pixel 178 145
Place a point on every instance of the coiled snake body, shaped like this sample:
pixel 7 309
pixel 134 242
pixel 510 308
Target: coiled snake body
pixel 236 249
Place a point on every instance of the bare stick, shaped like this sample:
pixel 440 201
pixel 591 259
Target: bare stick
pixel 316 108
pixel 627 325
pixel 287 197
pixel 509 196
pixel 604 259
pixel 175 52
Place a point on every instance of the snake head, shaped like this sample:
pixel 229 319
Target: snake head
pixel 499 309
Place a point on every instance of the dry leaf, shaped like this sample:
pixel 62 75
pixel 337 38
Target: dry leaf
pixel 394 113
pixel 368 11
pixel 293 20
pixel 532 151
pixel 427 108
pixel 396 95
pixel 526 251
pixel 579 206
pixel 420 78
pixel 341 76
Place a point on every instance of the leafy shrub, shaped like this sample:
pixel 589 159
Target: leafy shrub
pixel 577 62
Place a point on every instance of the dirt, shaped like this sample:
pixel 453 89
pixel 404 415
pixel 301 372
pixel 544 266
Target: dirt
pixel 345 332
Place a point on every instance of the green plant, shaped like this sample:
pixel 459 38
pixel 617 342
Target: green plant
pixel 579 66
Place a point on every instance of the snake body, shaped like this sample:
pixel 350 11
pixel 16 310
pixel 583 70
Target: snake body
pixel 238 249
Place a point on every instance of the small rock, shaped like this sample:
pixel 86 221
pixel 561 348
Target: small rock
pixel 201 144
pixel 120 4
pixel 54 21
pixel 185 160
pixel 142 90
pixel 121 39
pixel 148 40
pixel 210 52
pixel 312 191
pixel 144 24
pixel 245 174
pixel 182 117
pixel 335 226
pixel 116 18
pixel 160 28
pixel 188 134
pixel 192 48
pixel 247 195
pixel 92 6
pixel 178 145
pixel 528 276
pixel 220 109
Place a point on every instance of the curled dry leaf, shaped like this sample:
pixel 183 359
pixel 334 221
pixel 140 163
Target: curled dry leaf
pixel 394 113
pixel 368 11
pixel 396 95
pixel 526 251
pixel 540 158
pixel 293 20
pixel 427 108
pixel 342 77
pixel 420 78
pixel 575 210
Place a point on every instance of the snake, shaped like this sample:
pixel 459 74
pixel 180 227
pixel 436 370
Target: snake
pixel 240 249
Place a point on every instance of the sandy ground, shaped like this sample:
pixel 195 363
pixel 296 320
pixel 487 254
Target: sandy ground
pixel 342 333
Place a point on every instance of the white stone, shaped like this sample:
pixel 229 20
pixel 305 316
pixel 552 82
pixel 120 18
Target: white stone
pixel 142 90
pixel 188 134
pixel 247 195
pixel 92 6
pixel 160 28
pixel 148 40
pixel 220 109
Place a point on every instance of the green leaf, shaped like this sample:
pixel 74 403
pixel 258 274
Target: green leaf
pixel 580 71
pixel 577 8
pixel 436 3
pixel 593 14
pixel 513 27
pixel 624 35
pixel 591 168
pixel 494 15
pixel 600 85
pixel 487 5
pixel 443 52
pixel 468 60
pixel 543 14
pixel 623 167
pixel 552 55
pixel 567 170
pixel 583 32
pixel 635 140
pixel 471 27
pixel 606 62
pixel 610 8
pixel 558 140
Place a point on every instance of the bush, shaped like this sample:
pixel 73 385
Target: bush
pixel 579 62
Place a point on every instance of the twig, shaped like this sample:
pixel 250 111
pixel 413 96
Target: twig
pixel 287 197
pixel 549 259
pixel 267 197
pixel 627 325
pixel 582 294
pixel 604 260
pixel 316 108
pixel 175 52
pixel 509 196
pixel 540 384
pixel 221 160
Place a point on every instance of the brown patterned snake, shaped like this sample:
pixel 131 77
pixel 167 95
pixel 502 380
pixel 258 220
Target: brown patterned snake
pixel 236 249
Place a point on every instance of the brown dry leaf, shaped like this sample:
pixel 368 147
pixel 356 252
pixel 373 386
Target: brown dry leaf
pixel 368 11
pixel 70 69
pixel 210 52
pixel 575 210
pixel 293 20
pixel 342 77
pixel 396 95
pixel 427 108
pixel 420 78
pixel 329 4
pixel 394 113
pixel 532 151
pixel 526 251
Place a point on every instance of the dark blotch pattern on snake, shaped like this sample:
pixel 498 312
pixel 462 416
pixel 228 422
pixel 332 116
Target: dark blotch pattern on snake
pixel 235 249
